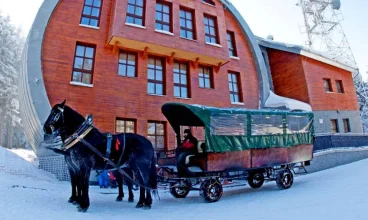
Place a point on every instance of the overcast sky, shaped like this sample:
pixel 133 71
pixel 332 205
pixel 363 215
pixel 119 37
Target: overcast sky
pixel 280 18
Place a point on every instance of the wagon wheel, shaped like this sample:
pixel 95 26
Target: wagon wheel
pixel 180 189
pixel 256 180
pixel 211 190
pixel 284 179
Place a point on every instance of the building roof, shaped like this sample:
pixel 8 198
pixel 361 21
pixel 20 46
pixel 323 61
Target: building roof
pixel 307 52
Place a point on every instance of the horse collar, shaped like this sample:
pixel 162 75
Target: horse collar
pixel 82 131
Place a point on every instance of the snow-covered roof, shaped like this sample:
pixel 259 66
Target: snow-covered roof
pixel 275 101
pixel 308 52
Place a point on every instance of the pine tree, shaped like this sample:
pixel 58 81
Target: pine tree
pixel 11 44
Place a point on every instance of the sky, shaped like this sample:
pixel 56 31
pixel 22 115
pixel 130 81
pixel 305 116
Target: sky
pixel 280 18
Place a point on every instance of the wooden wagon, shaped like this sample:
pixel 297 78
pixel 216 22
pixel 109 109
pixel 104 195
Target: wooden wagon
pixel 238 143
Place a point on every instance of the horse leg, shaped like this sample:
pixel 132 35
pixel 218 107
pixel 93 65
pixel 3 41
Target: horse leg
pixel 144 174
pixel 84 200
pixel 129 184
pixel 140 203
pixel 119 180
pixel 73 198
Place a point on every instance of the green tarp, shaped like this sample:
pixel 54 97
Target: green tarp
pixel 236 129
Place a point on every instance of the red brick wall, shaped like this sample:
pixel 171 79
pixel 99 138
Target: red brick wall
pixel 198 46
pixel 315 72
pixel 116 96
pixel 301 78
pixel 288 75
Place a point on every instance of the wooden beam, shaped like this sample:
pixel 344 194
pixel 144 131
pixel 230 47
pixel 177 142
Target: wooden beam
pixel 116 47
pixel 195 63
pixel 217 68
pixel 170 59
pixel 144 54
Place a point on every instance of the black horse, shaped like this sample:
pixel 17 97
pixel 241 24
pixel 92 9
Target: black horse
pixel 134 152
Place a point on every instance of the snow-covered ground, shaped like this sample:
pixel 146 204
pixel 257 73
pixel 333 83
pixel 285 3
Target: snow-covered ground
pixel 339 193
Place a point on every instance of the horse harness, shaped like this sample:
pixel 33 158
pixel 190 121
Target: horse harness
pixel 82 132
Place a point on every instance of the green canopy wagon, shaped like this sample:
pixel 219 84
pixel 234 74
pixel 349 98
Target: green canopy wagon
pixel 255 145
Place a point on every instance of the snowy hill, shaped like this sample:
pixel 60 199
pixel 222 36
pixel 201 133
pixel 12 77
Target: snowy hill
pixel 338 193
pixel 13 163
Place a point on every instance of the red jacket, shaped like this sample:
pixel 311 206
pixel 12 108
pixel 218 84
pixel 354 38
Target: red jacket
pixel 187 144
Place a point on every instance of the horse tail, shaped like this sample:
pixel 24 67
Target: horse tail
pixel 153 178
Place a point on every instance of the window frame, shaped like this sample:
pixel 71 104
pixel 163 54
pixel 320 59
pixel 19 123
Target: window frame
pixel 156 134
pixel 336 122
pixel 211 80
pixel 346 123
pixel 239 93
pixel 134 16
pixel 339 83
pixel 162 22
pixel 329 85
pixel 210 2
pixel 180 85
pixel 125 120
pixel 126 65
pixel 216 36
pixel 232 42
pixel 98 18
pixel 193 30
pixel 154 81
pixel 83 71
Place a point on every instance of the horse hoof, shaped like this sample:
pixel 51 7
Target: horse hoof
pixel 119 199
pixel 147 207
pixel 139 205
pixel 82 209
pixel 71 200
pixel 75 203
pixel 131 200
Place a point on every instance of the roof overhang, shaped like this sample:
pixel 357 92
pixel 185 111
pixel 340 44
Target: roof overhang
pixel 316 55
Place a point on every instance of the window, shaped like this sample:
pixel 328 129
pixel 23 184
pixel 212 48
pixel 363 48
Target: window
pixel 135 12
pixel 127 64
pixel 210 29
pixel 211 2
pixel 155 76
pixel 231 44
pixel 163 18
pixel 297 124
pixel 234 87
pixel 327 85
pixel 346 125
pixel 334 126
pixel 180 80
pixel 186 24
pixel 125 125
pixel 156 134
pixel 91 13
pixel 339 86
pixel 228 124
pixel 205 77
pixel 83 63
pixel 267 125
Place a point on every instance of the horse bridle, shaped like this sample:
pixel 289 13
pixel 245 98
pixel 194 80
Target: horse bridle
pixel 56 118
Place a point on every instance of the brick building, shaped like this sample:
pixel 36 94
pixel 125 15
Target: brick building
pixel 122 60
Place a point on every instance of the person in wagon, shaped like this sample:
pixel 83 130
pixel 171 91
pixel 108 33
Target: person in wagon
pixel 187 147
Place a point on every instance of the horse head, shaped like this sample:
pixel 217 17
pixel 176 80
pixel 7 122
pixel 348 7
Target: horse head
pixel 62 121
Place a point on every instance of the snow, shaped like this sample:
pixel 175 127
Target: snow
pixel 275 101
pixel 338 193
pixel 11 163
